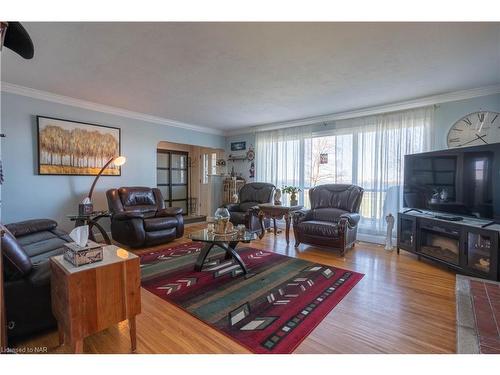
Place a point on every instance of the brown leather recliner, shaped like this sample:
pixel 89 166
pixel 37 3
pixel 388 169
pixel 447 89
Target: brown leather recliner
pixel 246 211
pixel 333 218
pixel 139 217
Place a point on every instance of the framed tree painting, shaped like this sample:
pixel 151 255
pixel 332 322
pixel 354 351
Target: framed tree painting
pixel 76 148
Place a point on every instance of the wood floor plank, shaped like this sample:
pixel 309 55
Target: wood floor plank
pixel 402 305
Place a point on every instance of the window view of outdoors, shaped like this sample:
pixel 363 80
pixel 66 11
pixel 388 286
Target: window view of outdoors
pixel 362 159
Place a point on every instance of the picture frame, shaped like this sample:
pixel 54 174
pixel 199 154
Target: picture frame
pixel 238 146
pixel 75 148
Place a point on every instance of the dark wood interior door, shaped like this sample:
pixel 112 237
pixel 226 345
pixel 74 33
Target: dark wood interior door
pixel 172 173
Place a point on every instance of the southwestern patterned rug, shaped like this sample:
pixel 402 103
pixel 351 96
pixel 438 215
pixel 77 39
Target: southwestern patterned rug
pixel 270 310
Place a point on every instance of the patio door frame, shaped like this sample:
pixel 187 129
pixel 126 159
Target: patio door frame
pixel 169 200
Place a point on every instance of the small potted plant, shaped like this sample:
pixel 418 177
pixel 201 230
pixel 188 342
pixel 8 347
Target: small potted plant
pixel 292 190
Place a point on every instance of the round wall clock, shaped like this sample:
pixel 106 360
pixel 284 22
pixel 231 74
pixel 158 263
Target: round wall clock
pixel 474 129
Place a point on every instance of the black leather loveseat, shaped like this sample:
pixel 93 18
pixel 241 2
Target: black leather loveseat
pixel 26 248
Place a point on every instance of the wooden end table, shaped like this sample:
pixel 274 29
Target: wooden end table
pixel 277 212
pixel 93 297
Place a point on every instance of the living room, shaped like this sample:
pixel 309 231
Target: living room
pixel 250 187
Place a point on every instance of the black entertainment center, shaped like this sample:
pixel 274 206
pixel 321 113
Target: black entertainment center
pixel 452 209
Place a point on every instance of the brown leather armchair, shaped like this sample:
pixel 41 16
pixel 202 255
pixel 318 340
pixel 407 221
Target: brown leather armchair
pixel 246 211
pixel 333 218
pixel 139 217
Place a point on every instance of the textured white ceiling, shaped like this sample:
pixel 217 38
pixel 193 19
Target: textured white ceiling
pixel 234 75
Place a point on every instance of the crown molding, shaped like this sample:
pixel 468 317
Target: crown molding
pixel 369 111
pixel 66 100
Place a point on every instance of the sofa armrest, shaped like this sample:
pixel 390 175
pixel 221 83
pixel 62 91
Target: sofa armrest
pixel 169 211
pixel 352 218
pixel 300 215
pixel 123 216
pixel 24 228
pixel 232 207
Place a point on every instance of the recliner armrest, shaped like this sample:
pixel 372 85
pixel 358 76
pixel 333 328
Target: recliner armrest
pixel 127 215
pixel 169 211
pixel 352 218
pixel 300 215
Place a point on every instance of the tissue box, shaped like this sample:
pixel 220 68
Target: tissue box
pixel 79 256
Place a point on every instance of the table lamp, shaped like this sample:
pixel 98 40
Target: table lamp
pixel 86 207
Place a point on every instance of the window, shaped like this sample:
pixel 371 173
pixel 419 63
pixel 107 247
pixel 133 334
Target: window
pixel 214 163
pixel 204 178
pixel 368 152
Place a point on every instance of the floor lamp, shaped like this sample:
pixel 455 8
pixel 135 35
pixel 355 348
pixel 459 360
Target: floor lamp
pixel 86 207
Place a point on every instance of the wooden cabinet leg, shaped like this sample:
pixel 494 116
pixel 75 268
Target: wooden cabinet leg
pixel 133 334
pixel 77 346
pixel 60 331
pixel 262 228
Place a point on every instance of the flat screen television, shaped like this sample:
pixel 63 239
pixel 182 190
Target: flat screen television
pixel 459 181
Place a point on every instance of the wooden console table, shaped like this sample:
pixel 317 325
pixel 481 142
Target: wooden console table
pixel 91 298
pixel 277 212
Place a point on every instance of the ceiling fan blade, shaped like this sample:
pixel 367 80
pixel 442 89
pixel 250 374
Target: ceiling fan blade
pixel 18 40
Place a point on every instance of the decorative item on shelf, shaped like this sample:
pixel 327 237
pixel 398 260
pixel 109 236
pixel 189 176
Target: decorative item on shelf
pixel 221 167
pixel 388 238
pixel 252 170
pixel 241 229
pixel 292 190
pixel 82 251
pixel 250 153
pixel 235 198
pixel 210 227
pixel 222 220
pixel 277 197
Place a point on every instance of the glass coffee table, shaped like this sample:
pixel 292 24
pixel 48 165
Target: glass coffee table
pixel 227 242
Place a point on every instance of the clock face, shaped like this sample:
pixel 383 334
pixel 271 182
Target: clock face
pixel 477 128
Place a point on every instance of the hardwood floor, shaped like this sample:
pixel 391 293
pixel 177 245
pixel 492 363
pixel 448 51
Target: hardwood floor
pixel 401 306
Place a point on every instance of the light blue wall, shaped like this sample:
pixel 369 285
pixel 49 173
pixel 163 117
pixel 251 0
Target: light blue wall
pixel 241 167
pixel 27 195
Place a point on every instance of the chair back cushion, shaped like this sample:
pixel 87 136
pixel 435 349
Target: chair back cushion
pixel 337 196
pixel 136 198
pixel 255 193
pixel 16 262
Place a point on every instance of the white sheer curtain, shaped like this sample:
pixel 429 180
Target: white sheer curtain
pixel 379 145
pixel 366 151
pixel 279 157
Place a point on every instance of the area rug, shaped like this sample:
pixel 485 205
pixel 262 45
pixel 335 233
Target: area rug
pixel 270 310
